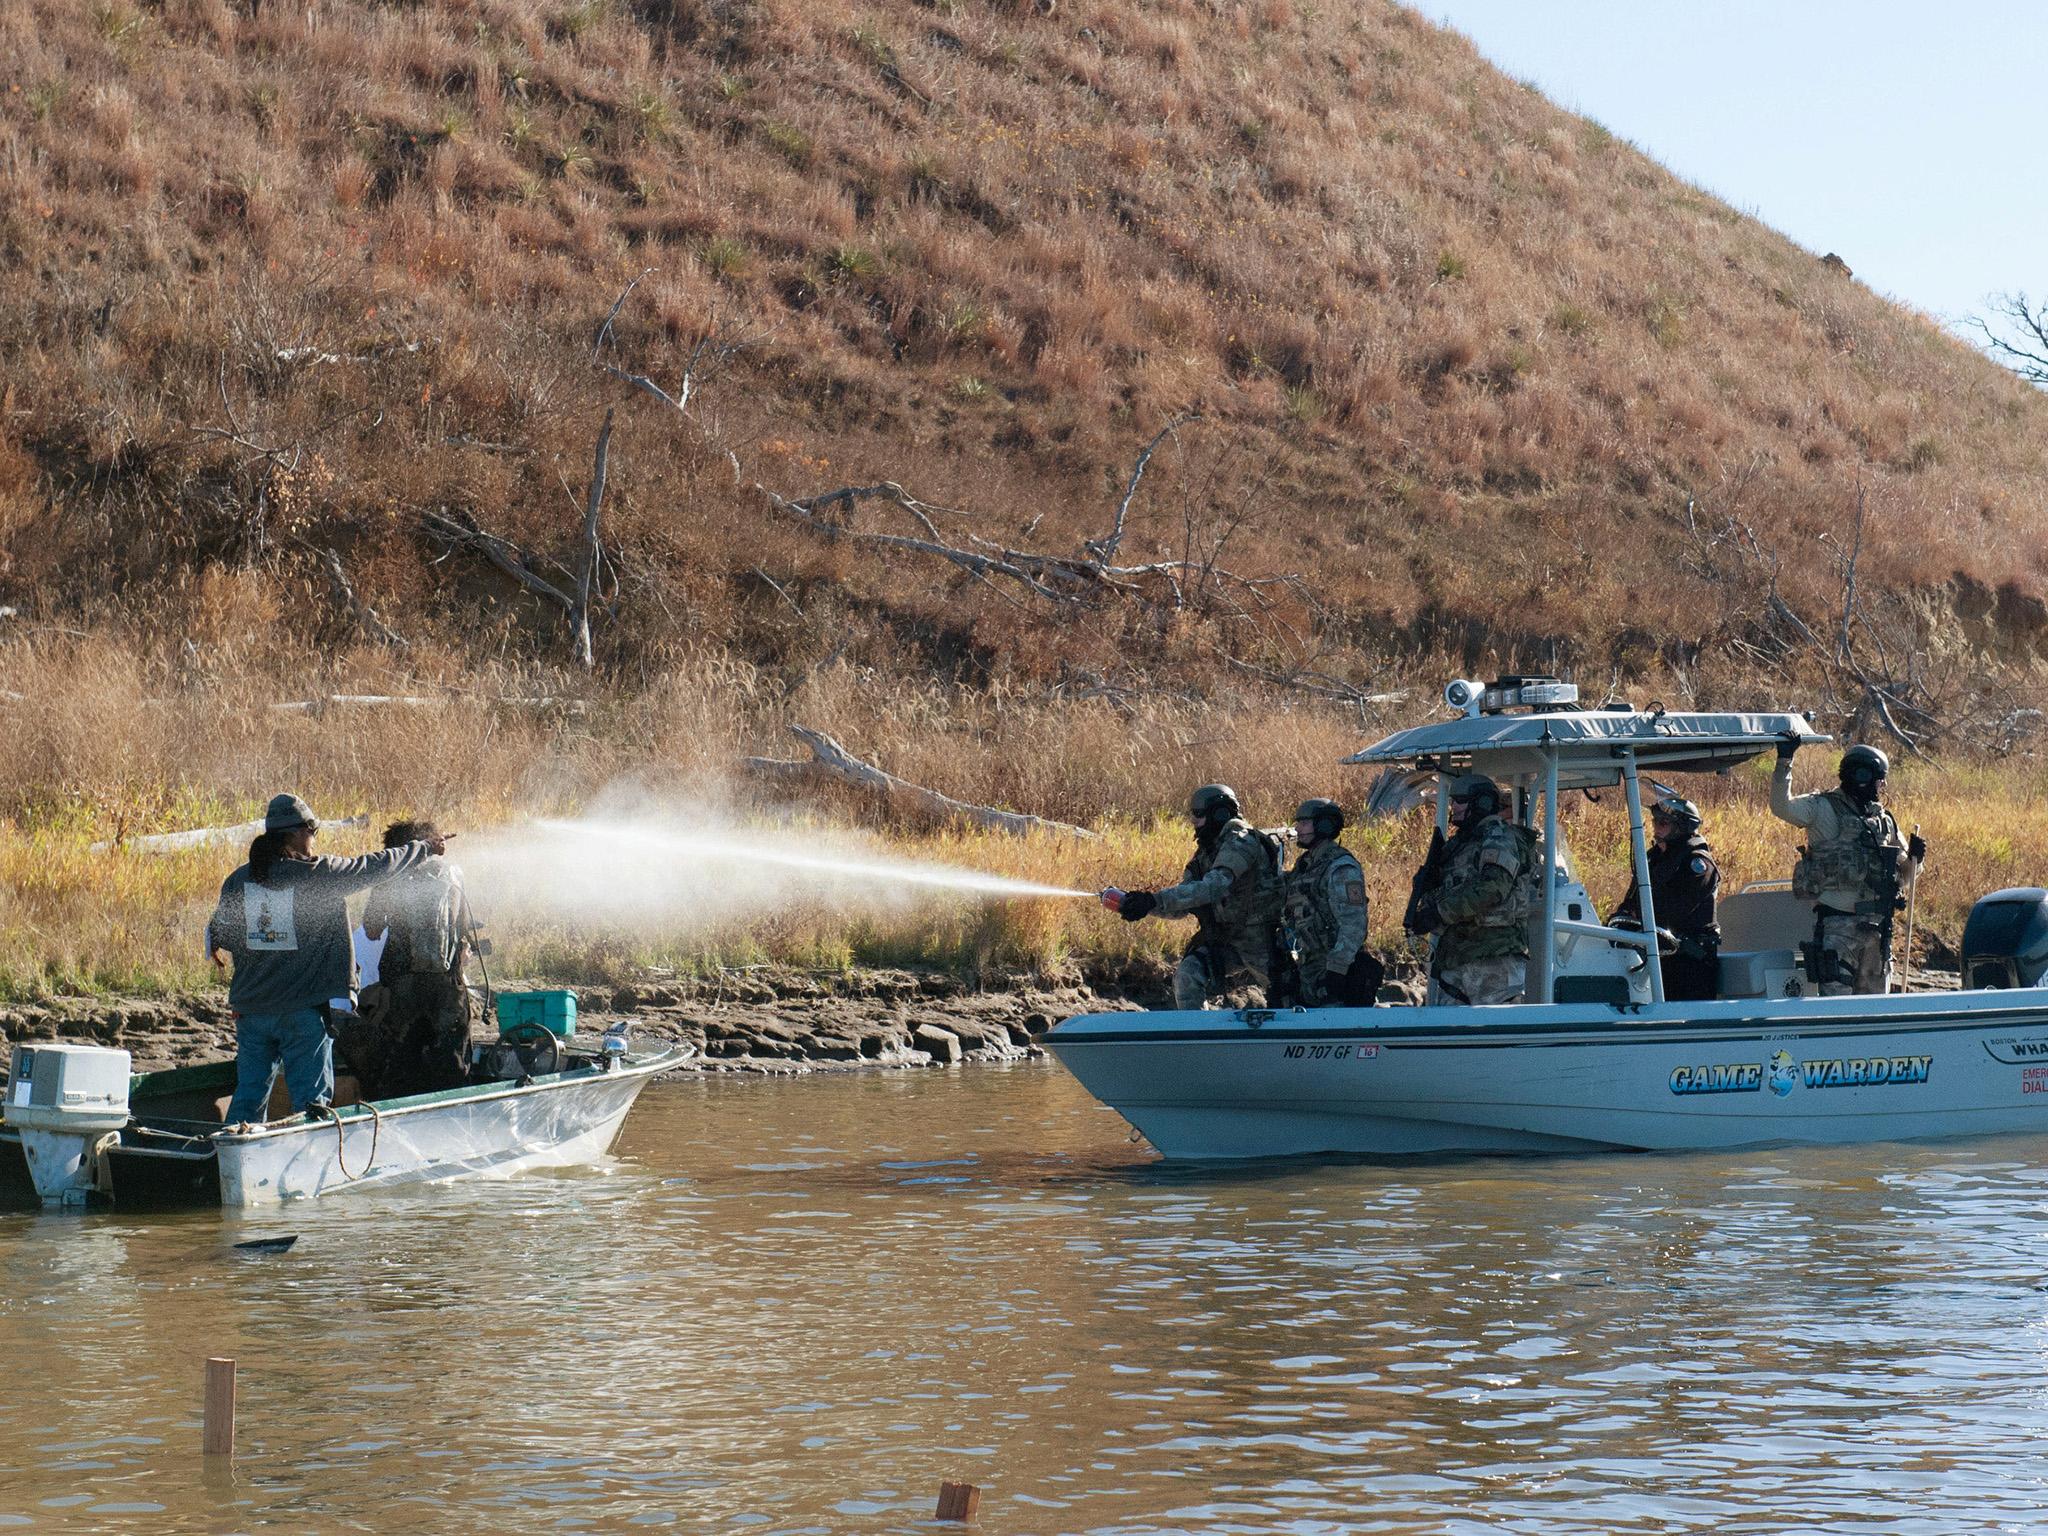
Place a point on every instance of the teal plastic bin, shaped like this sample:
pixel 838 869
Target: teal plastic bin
pixel 553 1009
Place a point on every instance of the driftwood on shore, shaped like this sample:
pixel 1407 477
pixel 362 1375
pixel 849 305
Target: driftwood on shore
pixel 327 701
pixel 205 837
pixel 831 761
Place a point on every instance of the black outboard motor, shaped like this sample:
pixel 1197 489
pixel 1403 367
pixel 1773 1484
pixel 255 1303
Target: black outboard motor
pixel 2005 942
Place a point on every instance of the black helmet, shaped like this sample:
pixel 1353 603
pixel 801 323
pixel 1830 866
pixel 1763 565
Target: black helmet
pixel 1680 811
pixel 1864 767
pixel 1477 790
pixel 1216 802
pixel 1327 815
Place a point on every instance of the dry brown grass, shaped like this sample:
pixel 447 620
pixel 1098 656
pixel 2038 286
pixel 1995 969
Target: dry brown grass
pixel 1461 358
pixel 105 746
pixel 990 251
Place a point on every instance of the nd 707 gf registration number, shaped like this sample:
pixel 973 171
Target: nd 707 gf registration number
pixel 1341 1052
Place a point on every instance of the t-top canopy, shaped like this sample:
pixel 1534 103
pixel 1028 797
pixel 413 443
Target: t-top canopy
pixel 1590 744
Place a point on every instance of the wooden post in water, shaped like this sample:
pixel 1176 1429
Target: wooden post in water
pixel 218 1438
pixel 959 1501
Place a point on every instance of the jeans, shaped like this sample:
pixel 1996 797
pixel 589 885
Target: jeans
pixel 299 1040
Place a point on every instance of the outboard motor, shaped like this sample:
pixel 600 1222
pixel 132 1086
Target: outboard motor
pixel 2005 941
pixel 64 1100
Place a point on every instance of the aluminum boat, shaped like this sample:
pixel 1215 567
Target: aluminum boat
pixel 81 1130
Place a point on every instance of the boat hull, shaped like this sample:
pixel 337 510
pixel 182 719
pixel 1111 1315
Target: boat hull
pixel 558 1121
pixel 1536 1079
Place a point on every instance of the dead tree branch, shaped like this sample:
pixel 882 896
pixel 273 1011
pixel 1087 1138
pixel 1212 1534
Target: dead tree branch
pixel 713 347
pixel 1104 550
pixel 832 761
pixel 1877 671
pixel 364 614
pixel 287 456
pixel 1062 579
pixel 462 531
pixel 593 551
pixel 813 513
pixel 2020 338
pixel 1316 684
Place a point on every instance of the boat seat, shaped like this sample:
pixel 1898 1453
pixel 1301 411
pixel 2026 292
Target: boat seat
pixel 1764 915
pixel 1757 972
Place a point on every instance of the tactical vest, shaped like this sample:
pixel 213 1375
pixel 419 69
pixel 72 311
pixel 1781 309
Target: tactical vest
pixel 1250 911
pixel 1863 856
pixel 1503 929
pixel 1309 913
pixel 1464 863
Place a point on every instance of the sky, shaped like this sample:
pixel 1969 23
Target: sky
pixel 1897 136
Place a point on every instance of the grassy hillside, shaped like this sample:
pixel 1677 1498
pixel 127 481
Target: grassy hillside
pixel 316 312
pixel 287 278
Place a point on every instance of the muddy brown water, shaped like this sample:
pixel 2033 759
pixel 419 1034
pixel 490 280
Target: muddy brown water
pixel 798 1305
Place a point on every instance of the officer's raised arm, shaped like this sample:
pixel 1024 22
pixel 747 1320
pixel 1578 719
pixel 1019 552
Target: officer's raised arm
pixel 1800 810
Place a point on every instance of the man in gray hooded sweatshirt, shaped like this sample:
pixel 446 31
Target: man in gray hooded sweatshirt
pixel 283 920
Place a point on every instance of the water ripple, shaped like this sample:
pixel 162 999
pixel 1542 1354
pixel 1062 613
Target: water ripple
pixel 797 1306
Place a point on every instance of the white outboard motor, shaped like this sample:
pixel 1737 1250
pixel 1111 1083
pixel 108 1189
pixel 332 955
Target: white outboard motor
pixel 2005 941
pixel 63 1099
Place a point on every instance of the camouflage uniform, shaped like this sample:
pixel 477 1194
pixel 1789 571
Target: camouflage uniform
pixel 1232 887
pixel 1485 897
pixel 1326 913
pixel 1851 869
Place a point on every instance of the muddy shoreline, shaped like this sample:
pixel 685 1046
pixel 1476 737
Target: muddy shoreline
pixel 762 1019
pixel 757 1019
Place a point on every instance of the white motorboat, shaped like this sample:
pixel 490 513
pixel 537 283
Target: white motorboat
pixel 79 1129
pixel 1601 1061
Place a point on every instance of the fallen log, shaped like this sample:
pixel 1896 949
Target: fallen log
pixel 357 700
pixel 204 837
pixel 830 760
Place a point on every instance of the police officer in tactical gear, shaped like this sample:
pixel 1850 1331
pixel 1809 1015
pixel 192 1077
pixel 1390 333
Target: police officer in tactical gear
pixel 1685 885
pixel 1853 867
pixel 1326 914
pixel 1232 889
pixel 1480 900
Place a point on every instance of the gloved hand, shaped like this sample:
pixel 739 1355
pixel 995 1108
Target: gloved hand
pixel 1136 904
pixel 1425 918
pixel 1916 848
pixel 1787 745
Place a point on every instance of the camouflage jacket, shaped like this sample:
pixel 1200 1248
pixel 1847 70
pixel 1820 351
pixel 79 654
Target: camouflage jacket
pixel 1232 888
pixel 1326 909
pixel 1487 893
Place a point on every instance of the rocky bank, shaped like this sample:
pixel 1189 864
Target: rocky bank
pixel 760 1019
pixel 757 1019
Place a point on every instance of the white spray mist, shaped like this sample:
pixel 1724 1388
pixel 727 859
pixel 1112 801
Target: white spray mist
pixel 654 867
pixel 705 851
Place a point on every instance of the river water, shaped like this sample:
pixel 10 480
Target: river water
pixel 798 1305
